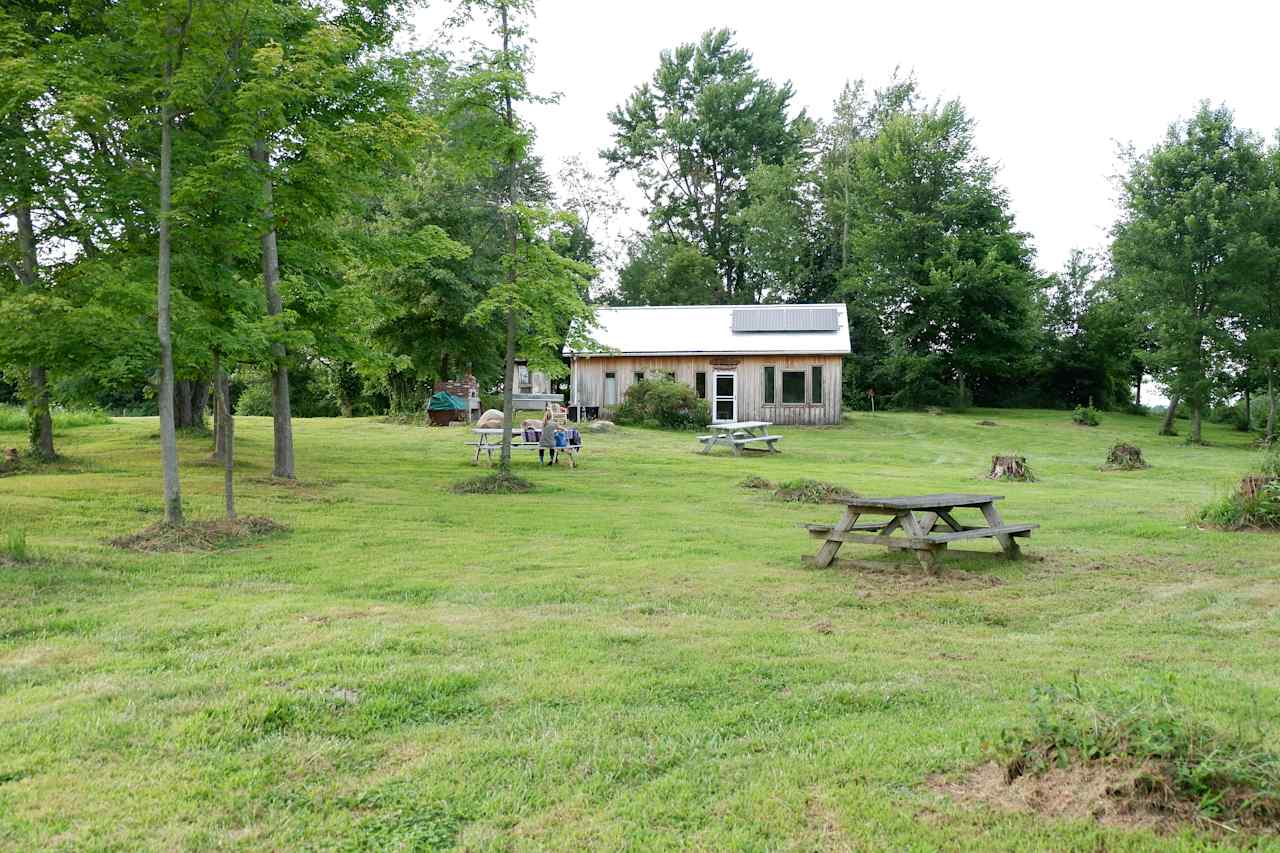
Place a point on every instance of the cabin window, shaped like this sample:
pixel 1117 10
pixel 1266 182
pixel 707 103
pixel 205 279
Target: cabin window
pixel 769 395
pixel 700 384
pixel 793 386
pixel 611 389
pixel 639 375
pixel 815 392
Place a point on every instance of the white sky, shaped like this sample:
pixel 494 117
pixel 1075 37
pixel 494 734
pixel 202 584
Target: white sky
pixel 1053 87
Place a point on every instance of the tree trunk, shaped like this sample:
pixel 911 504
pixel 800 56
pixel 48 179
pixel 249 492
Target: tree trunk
pixel 1248 414
pixel 182 404
pixel 1166 426
pixel 345 405
pixel 1194 438
pixel 224 425
pixel 199 402
pixel 509 366
pixel 281 413
pixel 168 436
pixel 217 413
pixel 1137 391
pixel 39 418
pixel 1271 405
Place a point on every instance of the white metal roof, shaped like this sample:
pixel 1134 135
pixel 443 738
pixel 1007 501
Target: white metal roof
pixel 696 329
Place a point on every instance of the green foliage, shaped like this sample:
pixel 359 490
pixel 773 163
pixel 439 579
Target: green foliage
pixel 14 419
pixel 660 271
pixel 757 482
pixel 1225 776
pixel 661 402
pixel 708 110
pixel 1237 511
pixel 1085 416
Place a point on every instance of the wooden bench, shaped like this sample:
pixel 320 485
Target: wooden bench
pixel 917 518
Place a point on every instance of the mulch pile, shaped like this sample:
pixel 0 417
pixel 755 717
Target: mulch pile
pixel 196 535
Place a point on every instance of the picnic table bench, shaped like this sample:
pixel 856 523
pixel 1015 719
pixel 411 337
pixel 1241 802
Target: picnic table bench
pixel 741 435
pixel 487 444
pixel 917 517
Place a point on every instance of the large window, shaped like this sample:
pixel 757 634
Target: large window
pixel 769 394
pixel 815 391
pixel 793 386
pixel 700 384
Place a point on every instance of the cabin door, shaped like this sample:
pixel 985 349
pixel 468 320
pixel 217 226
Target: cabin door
pixel 724 402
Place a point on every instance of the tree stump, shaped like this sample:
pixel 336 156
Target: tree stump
pixel 1252 485
pixel 1010 467
pixel 1125 457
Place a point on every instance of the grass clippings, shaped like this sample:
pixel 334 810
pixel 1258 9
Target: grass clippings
pixel 196 535
pixel 812 492
pixel 492 484
pixel 1125 457
pixel 987 423
pixel 754 482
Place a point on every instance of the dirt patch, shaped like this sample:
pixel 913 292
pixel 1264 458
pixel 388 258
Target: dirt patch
pixel 1114 794
pixel 196 535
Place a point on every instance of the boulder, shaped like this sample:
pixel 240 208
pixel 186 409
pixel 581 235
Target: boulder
pixel 601 426
pixel 491 419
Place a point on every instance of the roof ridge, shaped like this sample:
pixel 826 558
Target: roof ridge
pixel 734 307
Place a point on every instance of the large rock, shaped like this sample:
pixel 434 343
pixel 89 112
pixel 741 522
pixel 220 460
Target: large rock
pixel 491 419
pixel 601 426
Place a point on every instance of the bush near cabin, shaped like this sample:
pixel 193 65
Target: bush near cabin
pixel 663 403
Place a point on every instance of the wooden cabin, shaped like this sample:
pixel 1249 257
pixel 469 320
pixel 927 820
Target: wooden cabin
pixel 778 363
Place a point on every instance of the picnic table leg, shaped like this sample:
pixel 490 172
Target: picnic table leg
pixel 1007 543
pixel 479 447
pixel 827 552
pixel 916 530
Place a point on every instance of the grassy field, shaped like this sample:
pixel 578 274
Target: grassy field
pixel 631 656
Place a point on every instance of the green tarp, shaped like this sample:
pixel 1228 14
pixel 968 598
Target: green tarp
pixel 443 401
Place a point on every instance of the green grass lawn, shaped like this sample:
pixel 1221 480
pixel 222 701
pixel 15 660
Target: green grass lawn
pixel 630 656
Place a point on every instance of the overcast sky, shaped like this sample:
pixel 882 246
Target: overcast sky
pixel 1053 87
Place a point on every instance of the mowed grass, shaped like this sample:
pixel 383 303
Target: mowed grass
pixel 631 656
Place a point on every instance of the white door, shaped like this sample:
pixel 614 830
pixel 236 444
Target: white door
pixel 724 400
pixel 611 389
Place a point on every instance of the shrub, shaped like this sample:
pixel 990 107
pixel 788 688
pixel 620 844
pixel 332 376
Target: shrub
pixel 1252 509
pixel 1184 761
pixel 255 400
pixel 1086 416
pixel 663 403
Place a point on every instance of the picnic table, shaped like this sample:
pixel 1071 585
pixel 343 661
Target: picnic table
pixel 918 518
pixel 490 441
pixel 741 435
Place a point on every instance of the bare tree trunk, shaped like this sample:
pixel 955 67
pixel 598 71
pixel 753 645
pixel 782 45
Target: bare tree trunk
pixel 217 414
pixel 224 425
pixel 1137 391
pixel 1248 413
pixel 1271 404
pixel 168 436
pixel 182 404
pixel 508 380
pixel 1166 426
pixel 39 418
pixel 281 414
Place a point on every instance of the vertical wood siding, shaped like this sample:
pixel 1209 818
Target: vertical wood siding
pixel 587 386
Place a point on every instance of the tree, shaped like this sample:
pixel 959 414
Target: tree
pixel 660 271
pixel 1181 240
pixel 693 135
pixel 542 294
pixel 1258 301
pixel 939 283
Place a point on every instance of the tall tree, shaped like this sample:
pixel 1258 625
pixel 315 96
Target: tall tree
pixel 1186 214
pixel 691 137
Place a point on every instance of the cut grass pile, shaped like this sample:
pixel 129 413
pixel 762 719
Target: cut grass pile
pixel 196 535
pixel 630 657
pixel 802 490
pixel 1161 757
pixel 492 484
pixel 1125 457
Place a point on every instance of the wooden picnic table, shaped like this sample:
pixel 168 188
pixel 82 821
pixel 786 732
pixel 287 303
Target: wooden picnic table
pixel 490 441
pixel 739 436
pixel 917 517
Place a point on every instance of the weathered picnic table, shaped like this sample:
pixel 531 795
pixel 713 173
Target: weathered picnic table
pixel 740 435
pixel 490 442
pixel 917 517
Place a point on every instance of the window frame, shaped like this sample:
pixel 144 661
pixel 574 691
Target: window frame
pixel 815 384
pixel 700 384
pixel 770 385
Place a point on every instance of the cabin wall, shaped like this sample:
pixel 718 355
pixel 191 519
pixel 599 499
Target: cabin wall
pixel 587 387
